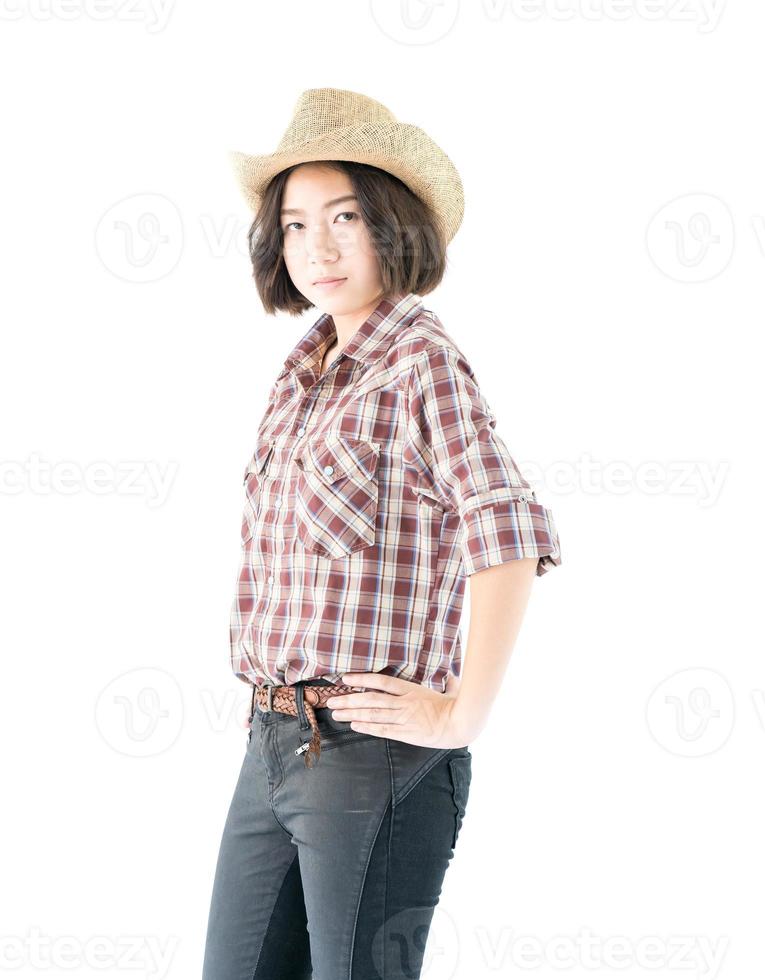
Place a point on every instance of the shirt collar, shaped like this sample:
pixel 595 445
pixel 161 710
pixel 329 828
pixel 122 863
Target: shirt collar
pixel 370 342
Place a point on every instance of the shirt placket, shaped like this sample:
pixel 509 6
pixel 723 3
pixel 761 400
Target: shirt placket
pixel 301 426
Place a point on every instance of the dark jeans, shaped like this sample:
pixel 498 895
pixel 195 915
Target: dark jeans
pixel 332 873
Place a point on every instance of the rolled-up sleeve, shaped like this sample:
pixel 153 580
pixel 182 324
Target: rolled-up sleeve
pixel 458 458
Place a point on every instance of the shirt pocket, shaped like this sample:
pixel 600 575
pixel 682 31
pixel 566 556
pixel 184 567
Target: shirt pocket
pixel 337 495
pixel 254 475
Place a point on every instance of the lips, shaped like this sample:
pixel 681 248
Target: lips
pixel 326 279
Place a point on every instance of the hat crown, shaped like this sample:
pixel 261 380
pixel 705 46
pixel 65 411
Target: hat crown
pixel 322 110
pixel 337 124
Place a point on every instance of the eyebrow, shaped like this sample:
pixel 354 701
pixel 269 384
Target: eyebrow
pixel 327 204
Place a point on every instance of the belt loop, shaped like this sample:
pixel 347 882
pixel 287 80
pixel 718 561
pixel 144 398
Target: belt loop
pixel 309 741
pixel 303 721
pixel 252 702
pixel 270 702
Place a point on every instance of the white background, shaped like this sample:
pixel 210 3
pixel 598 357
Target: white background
pixel 606 285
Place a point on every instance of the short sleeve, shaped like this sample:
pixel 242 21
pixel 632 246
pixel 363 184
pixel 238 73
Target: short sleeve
pixel 458 458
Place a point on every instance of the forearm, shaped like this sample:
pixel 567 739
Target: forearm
pixel 498 599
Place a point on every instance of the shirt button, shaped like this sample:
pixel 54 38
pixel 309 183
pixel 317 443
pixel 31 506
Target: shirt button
pixel 329 470
pixel 277 501
pixel 270 579
pixel 301 431
pixel 522 499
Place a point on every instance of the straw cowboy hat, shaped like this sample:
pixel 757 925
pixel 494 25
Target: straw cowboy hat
pixel 335 124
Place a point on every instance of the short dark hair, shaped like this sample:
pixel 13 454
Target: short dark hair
pixel 410 249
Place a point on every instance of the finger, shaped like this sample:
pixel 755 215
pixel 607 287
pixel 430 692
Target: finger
pixel 399 733
pixel 370 699
pixel 380 682
pixel 365 714
pixel 381 729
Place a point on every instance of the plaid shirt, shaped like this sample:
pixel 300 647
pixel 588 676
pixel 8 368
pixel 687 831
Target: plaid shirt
pixel 372 492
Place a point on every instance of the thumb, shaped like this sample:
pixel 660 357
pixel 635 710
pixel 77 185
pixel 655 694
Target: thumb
pixel 452 684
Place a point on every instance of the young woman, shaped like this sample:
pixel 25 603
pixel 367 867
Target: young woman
pixel 377 484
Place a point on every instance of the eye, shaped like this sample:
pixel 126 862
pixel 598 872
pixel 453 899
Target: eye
pixel 351 215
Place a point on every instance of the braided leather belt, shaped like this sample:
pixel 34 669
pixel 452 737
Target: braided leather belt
pixel 282 698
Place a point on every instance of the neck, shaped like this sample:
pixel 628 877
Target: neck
pixel 346 324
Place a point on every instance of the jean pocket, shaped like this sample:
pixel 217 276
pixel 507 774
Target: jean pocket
pixel 460 770
pixel 346 736
pixel 333 732
pixel 337 495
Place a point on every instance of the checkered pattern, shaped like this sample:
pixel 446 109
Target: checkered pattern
pixel 371 493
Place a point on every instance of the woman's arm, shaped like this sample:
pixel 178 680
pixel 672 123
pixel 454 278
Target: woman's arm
pixel 409 711
pixel 498 599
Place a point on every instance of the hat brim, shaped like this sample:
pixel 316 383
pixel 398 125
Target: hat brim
pixel 398 148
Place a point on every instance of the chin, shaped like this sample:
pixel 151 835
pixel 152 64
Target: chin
pixel 332 304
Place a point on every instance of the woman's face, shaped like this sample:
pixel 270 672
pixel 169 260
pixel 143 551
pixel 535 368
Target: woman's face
pixel 325 237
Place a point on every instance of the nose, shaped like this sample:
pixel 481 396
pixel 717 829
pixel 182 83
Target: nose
pixel 320 246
